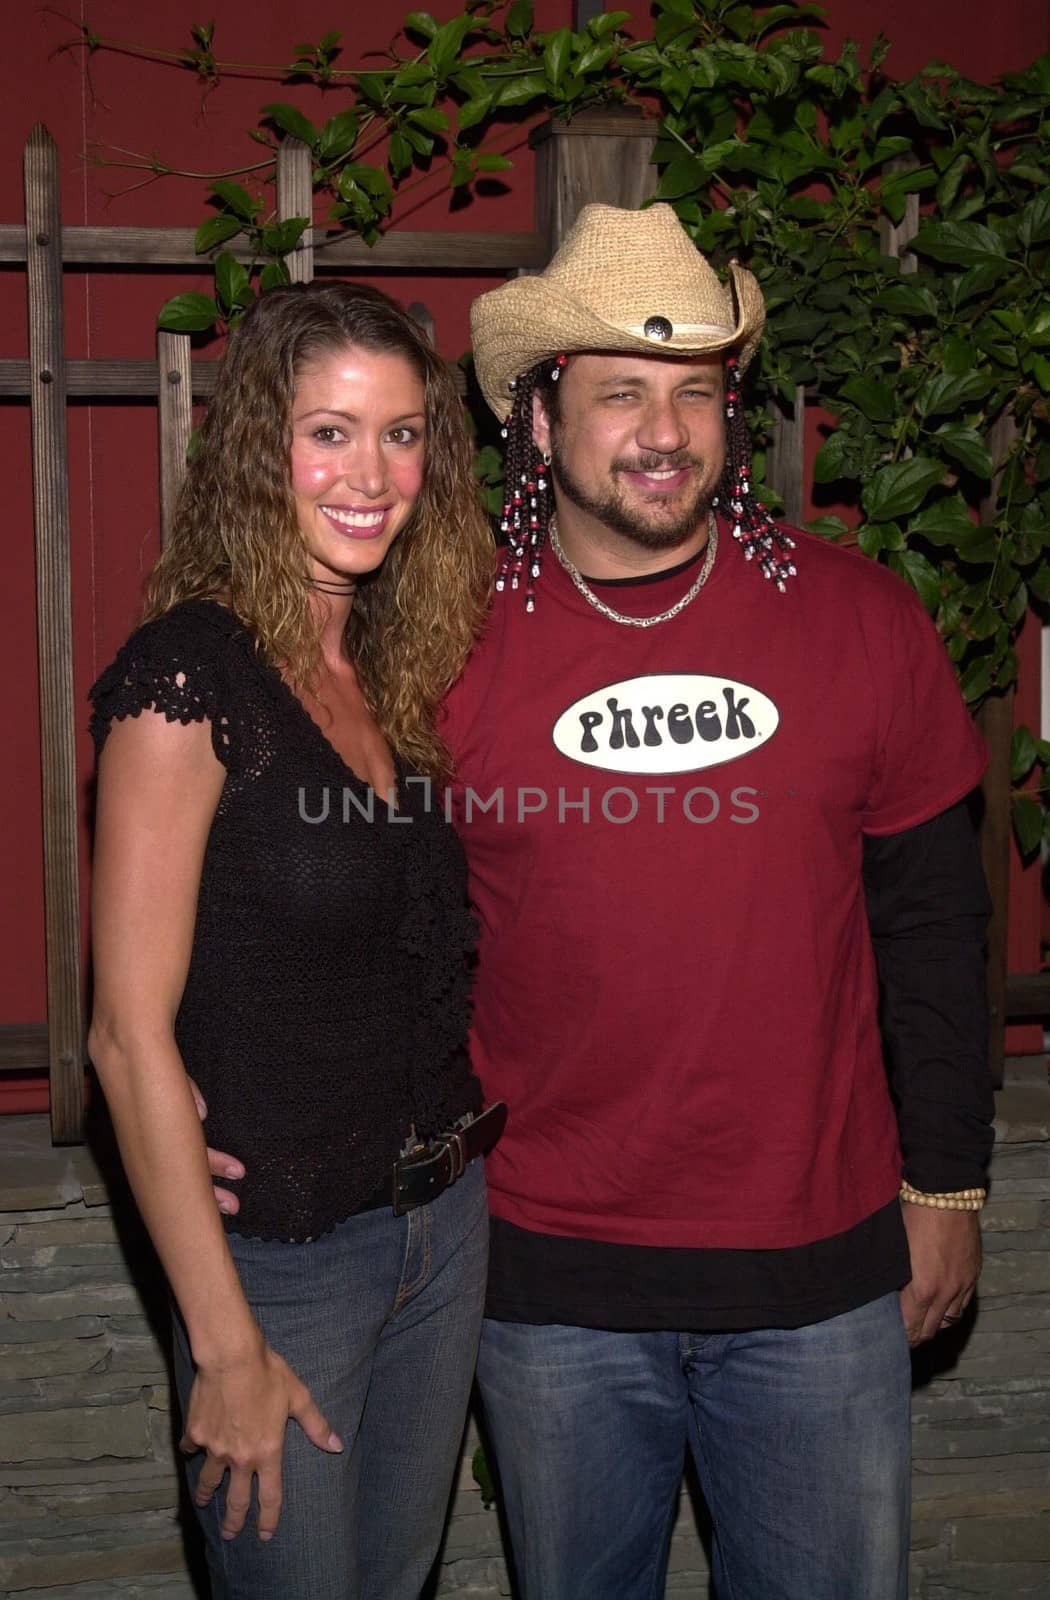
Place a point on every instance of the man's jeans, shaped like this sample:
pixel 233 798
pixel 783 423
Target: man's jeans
pixel 800 1436
pixel 380 1318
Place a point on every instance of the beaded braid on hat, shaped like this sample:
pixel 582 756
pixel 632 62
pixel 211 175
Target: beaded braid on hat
pixel 529 504
pixel 758 535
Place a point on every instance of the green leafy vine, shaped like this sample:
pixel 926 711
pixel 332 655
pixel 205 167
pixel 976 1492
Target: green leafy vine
pixel 934 365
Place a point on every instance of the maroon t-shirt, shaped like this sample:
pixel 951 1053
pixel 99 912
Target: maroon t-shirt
pixel 676 991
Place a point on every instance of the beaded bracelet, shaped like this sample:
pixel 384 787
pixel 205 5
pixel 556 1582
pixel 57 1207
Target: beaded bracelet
pixel 953 1200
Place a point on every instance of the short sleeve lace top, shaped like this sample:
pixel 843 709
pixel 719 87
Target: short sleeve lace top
pixel 326 1005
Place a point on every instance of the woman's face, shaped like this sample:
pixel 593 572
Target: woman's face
pixel 357 456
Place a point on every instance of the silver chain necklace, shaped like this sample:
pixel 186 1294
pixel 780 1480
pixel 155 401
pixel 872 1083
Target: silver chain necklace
pixel 618 616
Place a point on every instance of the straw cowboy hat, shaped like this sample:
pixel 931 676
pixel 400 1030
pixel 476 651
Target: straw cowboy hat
pixel 622 280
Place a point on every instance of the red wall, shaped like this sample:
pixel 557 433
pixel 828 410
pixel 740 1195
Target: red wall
pixel 118 101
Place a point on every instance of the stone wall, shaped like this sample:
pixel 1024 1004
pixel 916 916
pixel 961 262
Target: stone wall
pixel 89 1495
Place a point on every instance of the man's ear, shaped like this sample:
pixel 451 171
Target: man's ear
pixel 541 425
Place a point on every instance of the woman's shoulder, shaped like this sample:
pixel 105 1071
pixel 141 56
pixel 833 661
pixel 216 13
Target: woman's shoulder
pixel 188 663
pixel 200 624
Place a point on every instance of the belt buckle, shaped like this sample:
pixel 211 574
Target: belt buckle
pixel 457 1151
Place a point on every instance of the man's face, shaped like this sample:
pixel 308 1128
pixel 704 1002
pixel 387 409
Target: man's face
pixel 638 443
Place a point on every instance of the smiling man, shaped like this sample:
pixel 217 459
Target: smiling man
pixel 710 776
pixel 730 761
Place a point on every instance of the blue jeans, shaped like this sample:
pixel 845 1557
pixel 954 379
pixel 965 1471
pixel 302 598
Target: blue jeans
pixel 800 1436
pixel 380 1318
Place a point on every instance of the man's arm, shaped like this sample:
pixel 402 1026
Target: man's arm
pixel 928 909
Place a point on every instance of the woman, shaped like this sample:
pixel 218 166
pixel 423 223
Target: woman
pixel 279 910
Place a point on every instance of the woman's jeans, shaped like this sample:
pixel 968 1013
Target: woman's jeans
pixel 800 1436
pixel 380 1319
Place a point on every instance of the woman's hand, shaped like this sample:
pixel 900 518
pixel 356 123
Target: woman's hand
pixel 238 1413
pixel 220 1165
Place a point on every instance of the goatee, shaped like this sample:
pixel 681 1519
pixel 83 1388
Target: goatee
pixel 613 509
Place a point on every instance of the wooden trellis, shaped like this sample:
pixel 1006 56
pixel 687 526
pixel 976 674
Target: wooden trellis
pixel 601 156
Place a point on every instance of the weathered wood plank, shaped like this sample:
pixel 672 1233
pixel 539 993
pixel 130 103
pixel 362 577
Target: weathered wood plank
pixel 1028 997
pixel 125 379
pixel 295 198
pixel 603 156
pixel 996 721
pixel 54 638
pixel 23 1046
pixel 397 251
pixel 174 419
pixel 786 459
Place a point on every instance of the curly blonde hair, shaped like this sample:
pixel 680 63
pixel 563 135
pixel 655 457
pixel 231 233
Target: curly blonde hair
pixel 236 536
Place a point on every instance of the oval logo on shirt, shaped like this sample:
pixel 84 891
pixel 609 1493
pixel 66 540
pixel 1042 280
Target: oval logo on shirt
pixel 669 722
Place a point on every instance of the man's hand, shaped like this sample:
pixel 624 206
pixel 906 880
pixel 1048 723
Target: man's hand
pixel 238 1413
pixel 945 1248
pixel 220 1165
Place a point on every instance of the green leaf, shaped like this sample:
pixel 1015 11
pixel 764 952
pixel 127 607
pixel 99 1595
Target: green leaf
pixel 948 391
pixel 1033 225
pixel 281 238
pixel 373 180
pixel 921 574
pixel 372 85
pixel 519 19
pixel 978 280
pixel 420 22
pixel 961 244
pixel 828 465
pixel 430 118
pixel 216 230
pixel 900 488
pixel 188 313
pixel 1024 753
pixel 907 300
pixel 608 22
pixel 556 53
pixel 492 161
pixel 471 112
pixel 518 91
pixel 593 60
pixel 232 285
pixel 965 446
pixel 946 520
pixel 875 400
pixel 290 120
pixel 1039 367
pixel 274 275
pixel 826 527
pixel 236 199
pixel 444 48
pixel 482 1476
pixel 338 136
pixel 977 679
pixel 1028 823
pixel 399 154
pixel 948 187
pixel 682 176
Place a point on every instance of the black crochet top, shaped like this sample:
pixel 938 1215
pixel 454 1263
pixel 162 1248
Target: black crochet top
pixel 326 1005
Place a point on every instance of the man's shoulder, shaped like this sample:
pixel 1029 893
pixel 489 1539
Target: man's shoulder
pixel 845 572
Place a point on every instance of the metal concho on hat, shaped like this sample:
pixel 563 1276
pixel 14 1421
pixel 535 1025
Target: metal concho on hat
pixel 658 328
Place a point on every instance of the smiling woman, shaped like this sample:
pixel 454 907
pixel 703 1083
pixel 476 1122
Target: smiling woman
pixel 357 457
pixel 327 570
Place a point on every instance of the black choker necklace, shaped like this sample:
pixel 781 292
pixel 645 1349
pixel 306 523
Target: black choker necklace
pixel 333 585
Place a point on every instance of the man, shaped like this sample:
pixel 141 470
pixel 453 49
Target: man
pixel 709 776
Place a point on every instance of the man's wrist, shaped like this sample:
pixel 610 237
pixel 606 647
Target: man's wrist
pixel 971 1199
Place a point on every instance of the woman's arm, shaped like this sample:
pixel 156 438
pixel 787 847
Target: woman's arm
pixel 158 787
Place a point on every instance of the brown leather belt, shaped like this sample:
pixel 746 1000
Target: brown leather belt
pixel 421 1175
